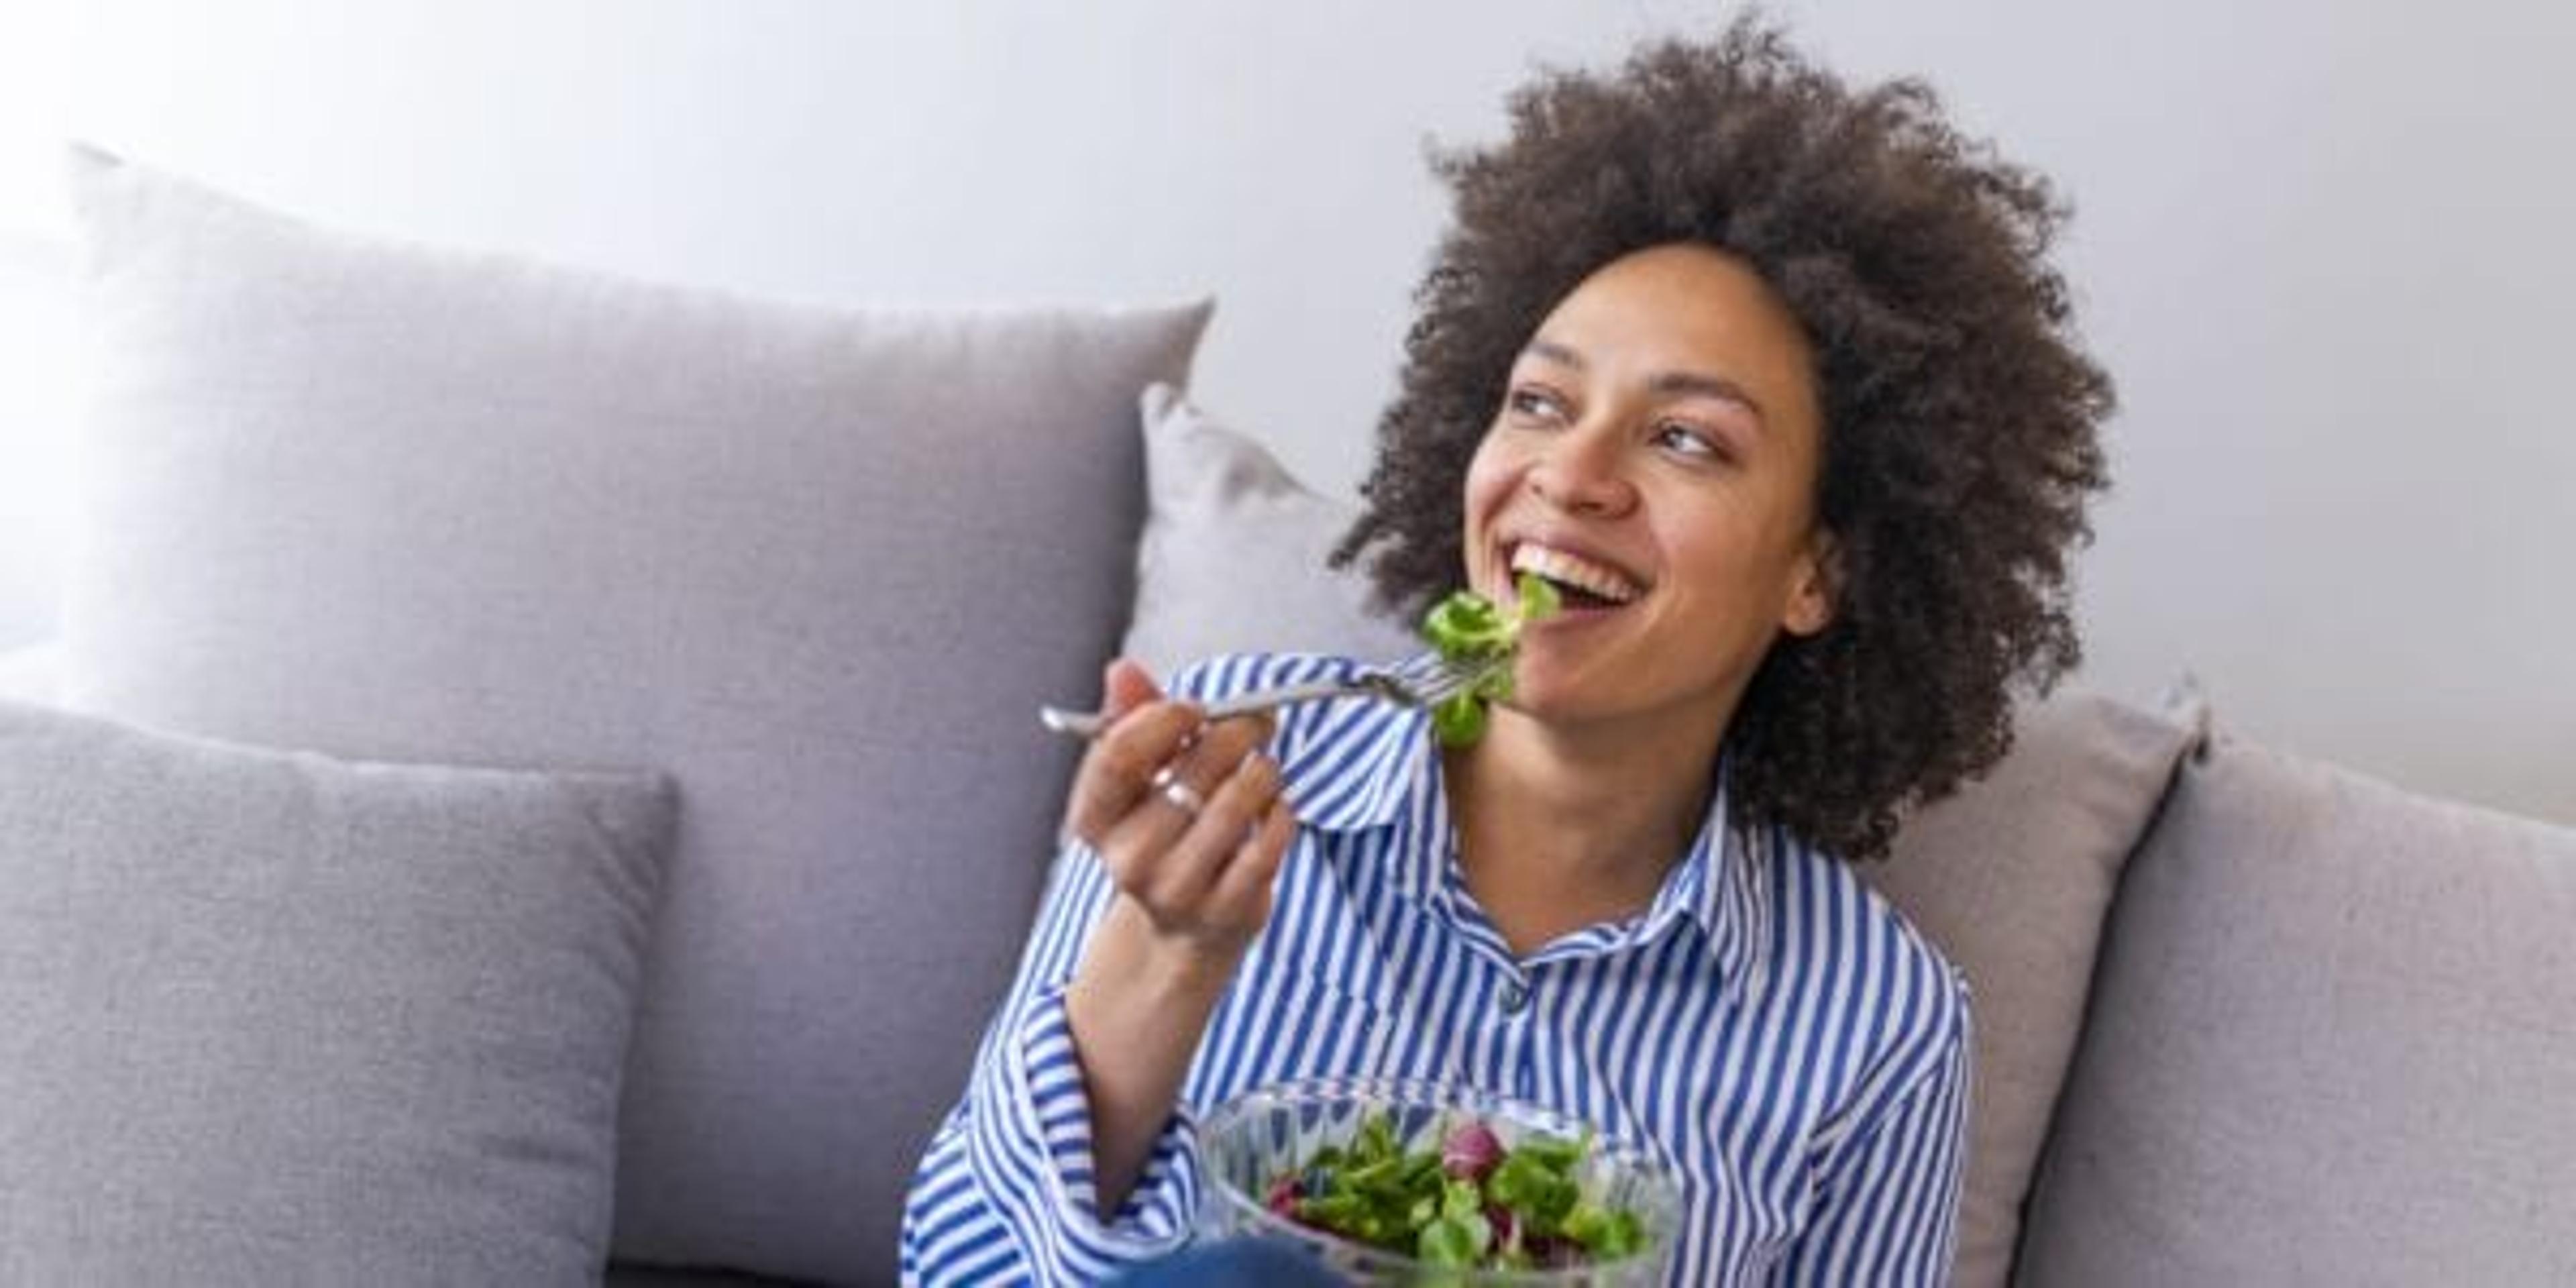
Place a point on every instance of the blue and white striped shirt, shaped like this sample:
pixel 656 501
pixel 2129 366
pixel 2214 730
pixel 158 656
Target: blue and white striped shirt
pixel 1768 1026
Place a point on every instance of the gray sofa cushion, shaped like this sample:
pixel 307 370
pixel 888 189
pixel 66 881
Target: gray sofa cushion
pixel 279 1019
pixel 629 1275
pixel 2331 1042
pixel 2012 877
pixel 822 566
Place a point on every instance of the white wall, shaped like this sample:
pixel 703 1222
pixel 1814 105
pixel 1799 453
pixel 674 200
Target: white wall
pixel 2322 247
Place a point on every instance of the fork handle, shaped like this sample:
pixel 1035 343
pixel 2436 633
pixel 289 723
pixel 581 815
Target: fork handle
pixel 1089 724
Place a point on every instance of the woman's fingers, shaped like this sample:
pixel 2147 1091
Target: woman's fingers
pixel 1241 895
pixel 1185 821
pixel 1099 795
pixel 1158 804
pixel 1119 768
pixel 1200 854
pixel 1125 686
pixel 1175 806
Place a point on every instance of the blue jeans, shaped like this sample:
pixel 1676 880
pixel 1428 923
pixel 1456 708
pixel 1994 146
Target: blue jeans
pixel 1247 1262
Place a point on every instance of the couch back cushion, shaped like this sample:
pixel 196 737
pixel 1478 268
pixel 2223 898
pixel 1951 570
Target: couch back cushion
pixel 822 566
pixel 2331 1042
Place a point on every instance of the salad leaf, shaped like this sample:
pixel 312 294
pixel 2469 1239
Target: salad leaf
pixel 1555 1151
pixel 1454 1241
pixel 1538 1191
pixel 1464 1202
pixel 1607 1234
pixel 1460 721
pixel 1474 633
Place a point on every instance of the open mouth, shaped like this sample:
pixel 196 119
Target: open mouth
pixel 1583 584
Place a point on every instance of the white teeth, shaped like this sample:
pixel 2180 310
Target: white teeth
pixel 1574 570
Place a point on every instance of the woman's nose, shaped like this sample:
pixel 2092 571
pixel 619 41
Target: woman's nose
pixel 1580 473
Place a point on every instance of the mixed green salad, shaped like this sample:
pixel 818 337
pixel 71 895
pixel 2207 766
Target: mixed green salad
pixel 1482 637
pixel 1470 1204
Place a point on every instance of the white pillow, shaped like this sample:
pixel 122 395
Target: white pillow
pixel 1233 559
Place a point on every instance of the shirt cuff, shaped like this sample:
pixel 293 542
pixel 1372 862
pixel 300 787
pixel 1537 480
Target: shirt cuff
pixel 1036 1129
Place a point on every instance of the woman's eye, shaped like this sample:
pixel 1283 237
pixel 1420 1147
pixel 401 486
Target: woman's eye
pixel 1689 442
pixel 1534 404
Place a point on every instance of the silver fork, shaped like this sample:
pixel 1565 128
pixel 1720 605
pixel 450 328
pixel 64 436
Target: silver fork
pixel 1423 680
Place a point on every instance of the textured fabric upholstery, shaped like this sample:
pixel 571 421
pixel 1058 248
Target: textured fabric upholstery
pixel 268 1017
pixel 822 566
pixel 2330 1043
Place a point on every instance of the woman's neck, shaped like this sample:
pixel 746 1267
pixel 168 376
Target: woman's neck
pixel 1559 829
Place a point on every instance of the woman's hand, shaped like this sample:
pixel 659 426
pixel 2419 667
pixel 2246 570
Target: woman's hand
pixel 1187 817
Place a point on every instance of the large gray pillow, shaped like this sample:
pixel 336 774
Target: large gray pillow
pixel 822 566
pixel 270 1018
pixel 2332 1042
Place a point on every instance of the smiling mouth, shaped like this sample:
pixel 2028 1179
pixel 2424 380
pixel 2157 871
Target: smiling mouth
pixel 1582 584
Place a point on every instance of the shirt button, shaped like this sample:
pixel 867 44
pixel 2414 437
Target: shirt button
pixel 1514 998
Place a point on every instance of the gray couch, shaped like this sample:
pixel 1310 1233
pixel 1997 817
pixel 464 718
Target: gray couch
pixel 2243 1018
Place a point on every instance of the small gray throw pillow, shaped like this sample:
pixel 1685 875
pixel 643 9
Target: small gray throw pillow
pixel 2012 878
pixel 1233 557
pixel 272 1018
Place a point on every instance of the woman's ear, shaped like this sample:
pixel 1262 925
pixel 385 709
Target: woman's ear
pixel 1813 586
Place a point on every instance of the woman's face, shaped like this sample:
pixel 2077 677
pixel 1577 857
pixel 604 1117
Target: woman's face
pixel 1656 456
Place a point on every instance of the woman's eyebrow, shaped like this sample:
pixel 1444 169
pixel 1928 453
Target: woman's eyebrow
pixel 1690 383
pixel 1554 352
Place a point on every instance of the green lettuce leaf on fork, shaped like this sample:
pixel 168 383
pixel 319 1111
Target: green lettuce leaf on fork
pixel 1476 634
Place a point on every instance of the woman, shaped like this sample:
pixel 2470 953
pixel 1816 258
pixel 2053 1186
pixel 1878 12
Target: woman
pixel 1770 378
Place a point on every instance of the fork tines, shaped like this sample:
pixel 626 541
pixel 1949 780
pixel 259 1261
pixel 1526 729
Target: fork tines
pixel 1430 677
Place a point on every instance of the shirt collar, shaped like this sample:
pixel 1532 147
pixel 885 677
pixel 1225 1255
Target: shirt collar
pixel 1381 767
pixel 1360 765
pixel 1717 887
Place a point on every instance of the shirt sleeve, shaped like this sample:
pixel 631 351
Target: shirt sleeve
pixel 1005 1192
pixel 1887 1206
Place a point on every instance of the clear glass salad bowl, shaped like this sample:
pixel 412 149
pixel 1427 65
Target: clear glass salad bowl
pixel 1249 1142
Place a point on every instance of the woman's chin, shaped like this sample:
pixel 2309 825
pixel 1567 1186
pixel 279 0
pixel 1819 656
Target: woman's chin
pixel 1544 699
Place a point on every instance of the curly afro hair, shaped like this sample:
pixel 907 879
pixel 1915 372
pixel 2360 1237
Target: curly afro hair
pixel 1960 413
